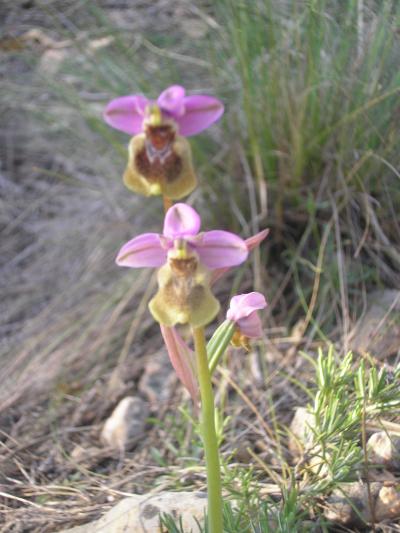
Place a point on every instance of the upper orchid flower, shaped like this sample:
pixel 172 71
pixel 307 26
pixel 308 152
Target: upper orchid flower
pixel 243 312
pixel 160 159
pixel 186 258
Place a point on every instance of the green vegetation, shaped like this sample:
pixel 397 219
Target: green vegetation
pixel 346 399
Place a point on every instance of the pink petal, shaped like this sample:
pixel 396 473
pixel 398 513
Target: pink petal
pixel 251 243
pixel 126 113
pixel 143 251
pixel 200 112
pixel 172 100
pixel 181 220
pixel 250 326
pixel 182 359
pixel 243 305
pixel 218 249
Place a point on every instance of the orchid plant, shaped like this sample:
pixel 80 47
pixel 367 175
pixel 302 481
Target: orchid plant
pixel 189 261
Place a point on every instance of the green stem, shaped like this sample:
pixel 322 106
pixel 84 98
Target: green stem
pixel 209 434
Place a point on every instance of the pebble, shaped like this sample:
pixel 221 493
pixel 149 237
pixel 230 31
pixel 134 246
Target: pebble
pixel 349 497
pixel 126 424
pixel 384 450
pixel 140 514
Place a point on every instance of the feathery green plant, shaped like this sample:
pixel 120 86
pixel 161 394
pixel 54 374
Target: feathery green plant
pixel 343 390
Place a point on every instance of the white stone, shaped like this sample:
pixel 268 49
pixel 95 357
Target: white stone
pixel 140 514
pixel 126 424
pixel 301 434
pixel 349 504
pixel 384 449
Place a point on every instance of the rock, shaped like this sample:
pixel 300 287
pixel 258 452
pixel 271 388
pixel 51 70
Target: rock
pixel 384 449
pixel 301 435
pixel 126 424
pixel 140 514
pixel 349 503
pixel 88 456
pixel 81 454
pixel 302 446
pixel 378 331
pixel 388 504
pixel 98 44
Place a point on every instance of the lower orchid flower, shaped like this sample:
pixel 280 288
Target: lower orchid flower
pixel 243 312
pixel 185 258
pixel 189 261
pixel 242 324
pixel 160 160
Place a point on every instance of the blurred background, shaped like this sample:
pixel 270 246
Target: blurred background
pixel 308 146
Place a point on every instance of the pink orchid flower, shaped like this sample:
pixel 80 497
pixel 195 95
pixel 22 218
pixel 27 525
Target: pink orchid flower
pixel 191 114
pixel 215 249
pixel 186 259
pixel 243 311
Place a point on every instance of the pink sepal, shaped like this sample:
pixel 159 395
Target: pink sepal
pixel 182 359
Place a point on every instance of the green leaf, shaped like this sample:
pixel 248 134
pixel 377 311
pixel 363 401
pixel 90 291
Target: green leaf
pixel 219 342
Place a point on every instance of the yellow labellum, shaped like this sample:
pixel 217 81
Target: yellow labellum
pixel 184 295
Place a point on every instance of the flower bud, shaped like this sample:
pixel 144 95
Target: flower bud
pixel 243 312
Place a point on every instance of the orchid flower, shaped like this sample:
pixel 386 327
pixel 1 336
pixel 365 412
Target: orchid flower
pixel 185 258
pixel 242 323
pixel 160 160
pixel 243 312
